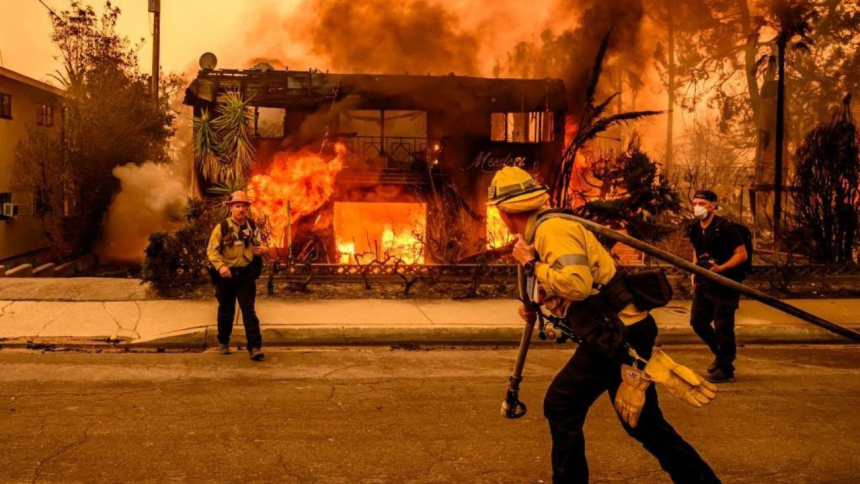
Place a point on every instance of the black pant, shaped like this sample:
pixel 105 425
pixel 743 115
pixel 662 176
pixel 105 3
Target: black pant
pixel 584 378
pixel 242 287
pixel 719 309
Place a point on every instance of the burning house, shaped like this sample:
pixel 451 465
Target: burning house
pixel 360 167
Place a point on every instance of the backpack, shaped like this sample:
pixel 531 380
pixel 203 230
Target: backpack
pixel 648 289
pixel 746 237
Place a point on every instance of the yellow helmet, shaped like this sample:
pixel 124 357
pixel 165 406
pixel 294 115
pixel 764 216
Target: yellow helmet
pixel 512 184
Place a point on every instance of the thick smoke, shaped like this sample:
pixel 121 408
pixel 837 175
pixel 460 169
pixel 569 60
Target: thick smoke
pixel 151 199
pixel 388 36
pixel 538 39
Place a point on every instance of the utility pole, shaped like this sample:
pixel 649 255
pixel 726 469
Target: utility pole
pixel 780 150
pixel 671 73
pixel 155 9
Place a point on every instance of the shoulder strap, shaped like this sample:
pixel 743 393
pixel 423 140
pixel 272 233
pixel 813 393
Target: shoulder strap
pixel 225 228
pixel 543 217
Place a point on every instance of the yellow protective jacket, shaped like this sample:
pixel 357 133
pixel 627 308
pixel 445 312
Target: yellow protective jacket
pixel 235 254
pixel 571 261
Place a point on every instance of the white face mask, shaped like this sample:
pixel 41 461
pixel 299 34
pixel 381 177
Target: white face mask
pixel 700 212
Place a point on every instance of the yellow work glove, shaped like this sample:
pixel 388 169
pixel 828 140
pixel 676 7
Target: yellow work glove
pixel 680 380
pixel 630 397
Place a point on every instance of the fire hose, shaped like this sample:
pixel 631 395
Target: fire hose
pixel 513 408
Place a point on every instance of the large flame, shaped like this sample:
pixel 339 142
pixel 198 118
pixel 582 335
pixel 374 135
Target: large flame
pixel 304 179
pixel 385 232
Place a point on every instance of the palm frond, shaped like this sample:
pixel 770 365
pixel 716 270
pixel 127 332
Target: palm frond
pixel 591 87
pixel 206 155
pixel 598 110
pixel 234 125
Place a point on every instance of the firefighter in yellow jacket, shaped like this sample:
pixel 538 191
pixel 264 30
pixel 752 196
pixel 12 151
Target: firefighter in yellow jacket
pixel 235 252
pixel 566 267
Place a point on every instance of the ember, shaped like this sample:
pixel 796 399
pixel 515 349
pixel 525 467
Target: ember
pixel 304 179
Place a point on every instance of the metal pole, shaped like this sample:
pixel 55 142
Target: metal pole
pixel 155 8
pixel 512 407
pixel 714 277
pixel 289 232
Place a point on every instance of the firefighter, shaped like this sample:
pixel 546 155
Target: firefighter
pixel 566 266
pixel 235 252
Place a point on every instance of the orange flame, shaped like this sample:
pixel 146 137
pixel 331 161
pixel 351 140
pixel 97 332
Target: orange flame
pixel 366 232
pixel 498 234
pixel 304 179
pixel 570 129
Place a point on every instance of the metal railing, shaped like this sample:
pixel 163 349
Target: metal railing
pixel 389 152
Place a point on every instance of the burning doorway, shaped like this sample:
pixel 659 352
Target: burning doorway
pixel 385 232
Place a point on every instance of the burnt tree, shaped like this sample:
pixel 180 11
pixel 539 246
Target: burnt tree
pixel 827 189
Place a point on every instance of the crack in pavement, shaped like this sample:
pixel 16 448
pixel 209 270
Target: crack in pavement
pixel 118 324
pixel 134 333
pixel 45 327
pixel 423 313
pixel 3 309
pixel 67 448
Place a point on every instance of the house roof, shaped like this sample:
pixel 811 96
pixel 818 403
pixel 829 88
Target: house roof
pixel 15 76
pixel 308 89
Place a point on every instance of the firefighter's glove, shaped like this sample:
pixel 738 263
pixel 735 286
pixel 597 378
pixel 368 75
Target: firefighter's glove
pixel 680 380
pixel 630 397
pixel 528 315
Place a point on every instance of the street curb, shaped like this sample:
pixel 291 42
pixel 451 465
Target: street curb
pixel 315 335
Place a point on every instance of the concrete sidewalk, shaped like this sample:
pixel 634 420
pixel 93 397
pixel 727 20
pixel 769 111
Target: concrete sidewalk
pixel 190 324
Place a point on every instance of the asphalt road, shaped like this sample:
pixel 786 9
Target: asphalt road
pixel 367 416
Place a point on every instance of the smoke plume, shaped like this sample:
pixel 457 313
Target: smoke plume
pixel 151 199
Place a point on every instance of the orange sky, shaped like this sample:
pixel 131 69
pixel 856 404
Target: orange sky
pixel 25 26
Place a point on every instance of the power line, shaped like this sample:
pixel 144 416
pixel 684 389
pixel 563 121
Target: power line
pixel 50 9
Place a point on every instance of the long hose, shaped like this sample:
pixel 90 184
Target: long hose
pixel 513 408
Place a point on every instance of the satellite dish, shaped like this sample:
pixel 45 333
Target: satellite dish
pixel 208 61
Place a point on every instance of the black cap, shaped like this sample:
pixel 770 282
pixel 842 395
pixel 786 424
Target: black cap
pixel 706 195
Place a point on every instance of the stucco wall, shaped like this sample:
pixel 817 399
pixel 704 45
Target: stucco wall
pixel 24 233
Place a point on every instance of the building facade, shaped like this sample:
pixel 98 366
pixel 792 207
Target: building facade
pixel 25 104
pixel 407 138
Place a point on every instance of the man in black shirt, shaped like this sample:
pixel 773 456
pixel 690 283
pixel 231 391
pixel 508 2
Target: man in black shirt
pixel 719 247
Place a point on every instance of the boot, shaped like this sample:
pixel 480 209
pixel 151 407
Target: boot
pixel 224 349
pixel 712 368
pixel 721 376
pixel 257 354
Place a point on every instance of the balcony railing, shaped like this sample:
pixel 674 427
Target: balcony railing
pixel 390 153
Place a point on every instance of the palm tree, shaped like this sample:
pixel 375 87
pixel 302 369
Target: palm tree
pixel 592 123
pixel 223 150
pixel 234 124
pixel 792 20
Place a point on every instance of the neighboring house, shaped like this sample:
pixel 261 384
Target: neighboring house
pixel 25 104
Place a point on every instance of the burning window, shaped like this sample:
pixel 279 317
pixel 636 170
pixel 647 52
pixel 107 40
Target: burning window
pixel 497 232
pixel 384 232
pixel 532 127
pixel 399 135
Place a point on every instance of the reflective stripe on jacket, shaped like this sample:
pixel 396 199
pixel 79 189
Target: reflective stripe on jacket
pixel 571 261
